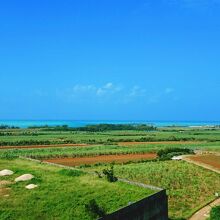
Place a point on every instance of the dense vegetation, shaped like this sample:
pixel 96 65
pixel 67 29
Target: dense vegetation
pixel 98 127
pixel 110 175
pixel 169 153
pixel 8 127
pixel 215 213
pixel 116 127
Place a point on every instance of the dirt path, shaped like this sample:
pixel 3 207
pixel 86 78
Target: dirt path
pixel 206 166
pixel 203 213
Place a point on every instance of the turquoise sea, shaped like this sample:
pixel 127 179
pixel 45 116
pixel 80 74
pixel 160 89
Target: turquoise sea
pixel 80 123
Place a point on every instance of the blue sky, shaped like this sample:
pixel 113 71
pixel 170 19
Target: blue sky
pixel 123 60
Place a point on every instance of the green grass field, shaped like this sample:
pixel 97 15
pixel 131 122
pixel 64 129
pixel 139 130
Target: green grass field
pixel 189 187
pixel 60 195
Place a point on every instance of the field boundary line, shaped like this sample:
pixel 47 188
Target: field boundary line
pixel 90 172
pixel 140 184
pixel 52 164
pixel 208 167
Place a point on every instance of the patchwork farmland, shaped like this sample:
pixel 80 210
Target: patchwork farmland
pixel 89 157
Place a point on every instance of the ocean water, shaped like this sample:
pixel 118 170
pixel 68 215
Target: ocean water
pixel 80 123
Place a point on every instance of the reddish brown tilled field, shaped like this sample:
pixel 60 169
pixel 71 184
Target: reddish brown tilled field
pixel 102 159
pixel 208 159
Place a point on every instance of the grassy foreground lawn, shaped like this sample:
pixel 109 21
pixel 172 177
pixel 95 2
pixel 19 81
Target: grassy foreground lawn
pixel 189 187
pixel 60 195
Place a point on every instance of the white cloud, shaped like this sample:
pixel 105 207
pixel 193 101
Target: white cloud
pixel 108 88
pixel 108 85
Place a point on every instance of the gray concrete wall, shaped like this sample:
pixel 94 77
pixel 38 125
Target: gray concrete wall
pixel 154 207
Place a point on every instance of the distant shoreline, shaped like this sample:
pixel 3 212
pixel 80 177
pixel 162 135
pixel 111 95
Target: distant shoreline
pixel 81 123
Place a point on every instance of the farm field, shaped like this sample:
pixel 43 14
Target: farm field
pixel 95 150
pixel 42 146
pixel 41 136
pixel 212 160
pixel 77 161
pixel 189 187
pixel 157 142
pixel 61 194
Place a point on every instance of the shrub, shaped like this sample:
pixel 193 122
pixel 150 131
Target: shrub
pixel 94 210
pixel 168 153
pixel 116 127
pixel 215 213
pixel 109 173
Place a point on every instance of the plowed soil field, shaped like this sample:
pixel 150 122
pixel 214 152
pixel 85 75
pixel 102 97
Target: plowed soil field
pixel 208 159
pixel 102 159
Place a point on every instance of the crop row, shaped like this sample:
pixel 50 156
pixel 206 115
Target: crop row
pixel 46 153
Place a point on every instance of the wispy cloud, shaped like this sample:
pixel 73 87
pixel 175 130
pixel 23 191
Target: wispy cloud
pixel 88 91
pixel 113 92
pixel 108 88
